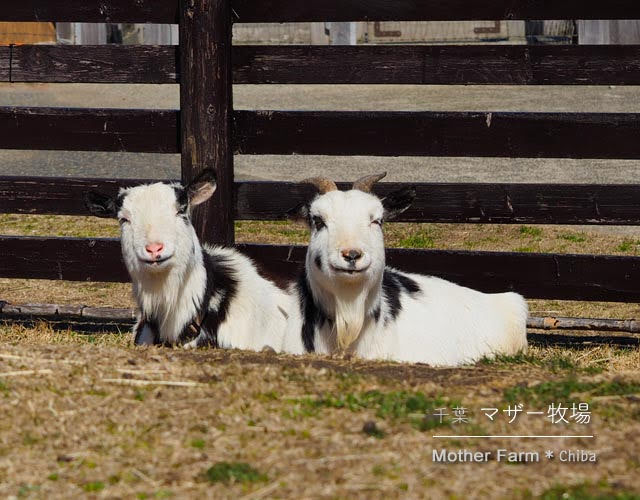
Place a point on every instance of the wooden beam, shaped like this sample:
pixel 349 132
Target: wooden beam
pixel 104 11
pixel 206 104
pixel 85 129
pixel 249 11
pixel 488 134
pixel 550 276
pixel 92 64
pixel 385 133
pixel 375 64
pixel 613 204
pixel 456 65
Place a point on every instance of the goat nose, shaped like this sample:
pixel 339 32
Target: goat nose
pixel 351 255
pixel 154 248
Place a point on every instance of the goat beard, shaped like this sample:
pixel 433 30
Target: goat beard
pixel 350 313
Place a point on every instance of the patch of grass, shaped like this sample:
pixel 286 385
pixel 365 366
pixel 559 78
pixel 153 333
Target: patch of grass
pixel 93 486
pixel 227 472
pixel 419 240
pixel 562 391
pixel 53 476
pixel 627 246
pixel 389 405
pixel 574 237
pixel 197 443
pixel 587 491
pixel 530 231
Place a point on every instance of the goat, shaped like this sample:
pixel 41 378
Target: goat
pixel 351 302
pixel 189 294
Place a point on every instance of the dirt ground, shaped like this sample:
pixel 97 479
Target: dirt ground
pixel 90 416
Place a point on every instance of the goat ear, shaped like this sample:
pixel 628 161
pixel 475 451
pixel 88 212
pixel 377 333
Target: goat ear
pixel 299 213
pixel 100 204
pixel 398 201
pixel 202 187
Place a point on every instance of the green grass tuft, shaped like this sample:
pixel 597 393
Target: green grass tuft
pixel 419 240
pixel 93 486
pixel 530 231
pixel 226 472
pixel 550 392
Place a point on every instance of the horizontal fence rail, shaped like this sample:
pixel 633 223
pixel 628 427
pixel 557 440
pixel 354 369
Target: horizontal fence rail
pixel 384 133
pixel 533 135
pixel 78 129
pixel 462 65
pixel 166 11
pixel 613 204
pixel 552 276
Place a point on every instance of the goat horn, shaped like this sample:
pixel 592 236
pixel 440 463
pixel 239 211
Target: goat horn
pixel 366 183
pixel 322 184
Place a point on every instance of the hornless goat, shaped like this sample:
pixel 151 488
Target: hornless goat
pixel 189 294
pixel 352 302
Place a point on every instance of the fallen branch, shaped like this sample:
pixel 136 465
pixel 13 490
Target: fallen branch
pixel 134 382
pixel 20 373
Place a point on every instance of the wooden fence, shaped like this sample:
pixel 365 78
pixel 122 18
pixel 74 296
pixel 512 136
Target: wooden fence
pixel 207 131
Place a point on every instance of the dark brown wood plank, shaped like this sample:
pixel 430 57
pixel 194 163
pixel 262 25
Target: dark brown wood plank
pixel 166 11
pixel 435 202
pixel 469 202
pixel 536 135
pixel 5 64
pixel 430 10
pixel 532 135
pixel 579 277
pixel 54 195
pixel 460 65
pixel 140 131
pixel 207 110
pixel 93 64
pixel 92 11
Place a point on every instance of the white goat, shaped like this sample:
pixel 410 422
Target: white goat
pixel 350 301
pixel 188 294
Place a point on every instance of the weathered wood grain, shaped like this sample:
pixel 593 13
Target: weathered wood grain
pixel 92 64
pixel 166 11
pixel 86 129
pixel 613 204
pixel 206 104
pixel 429 10
pixel 458 65
pixel 552 276
pixel 92 11
pixel 532 135
pixel 461 65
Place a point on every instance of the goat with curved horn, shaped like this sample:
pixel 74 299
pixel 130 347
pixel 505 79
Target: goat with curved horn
pixel 366 183
pixel 322 184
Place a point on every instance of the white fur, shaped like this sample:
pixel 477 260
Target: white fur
pixel 171 291
pixel 443 324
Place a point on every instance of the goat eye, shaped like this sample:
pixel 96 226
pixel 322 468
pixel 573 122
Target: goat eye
pixel 318 223
pixel 377 221
pixel 122 220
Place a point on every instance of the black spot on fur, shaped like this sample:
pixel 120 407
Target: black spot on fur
pixel 376 313
pixel 222 282
pixel 140 327
pixel 394 285
pixel 312 315
pixel 182 199
pixel 318 261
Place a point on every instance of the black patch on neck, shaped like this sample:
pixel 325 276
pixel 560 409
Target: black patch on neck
pixel 395 284
pixel 221 281
pixel 376 313
pixel 312 314
pixel 318 261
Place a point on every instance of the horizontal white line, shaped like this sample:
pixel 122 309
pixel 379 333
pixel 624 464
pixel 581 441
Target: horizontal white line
pixel 550 436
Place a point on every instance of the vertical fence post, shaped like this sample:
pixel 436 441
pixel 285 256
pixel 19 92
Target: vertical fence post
pixel 206 110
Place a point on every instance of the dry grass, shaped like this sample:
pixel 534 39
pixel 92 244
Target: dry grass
pixel 68 430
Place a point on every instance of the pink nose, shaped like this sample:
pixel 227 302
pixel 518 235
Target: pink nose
pixel 154 249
